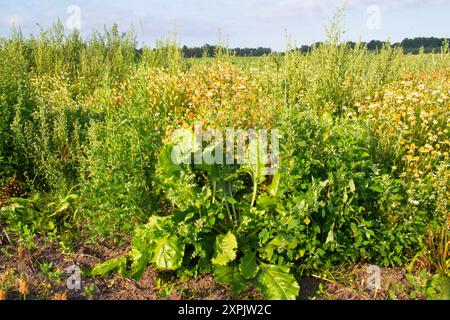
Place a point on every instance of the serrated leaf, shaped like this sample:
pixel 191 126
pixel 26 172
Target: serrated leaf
pixel 230 275
pixel 248 266
pixel 276 283
pixel 225 249
pixel 168 253
pixel 106 267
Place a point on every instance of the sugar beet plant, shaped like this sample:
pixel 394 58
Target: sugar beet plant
pixel 220 213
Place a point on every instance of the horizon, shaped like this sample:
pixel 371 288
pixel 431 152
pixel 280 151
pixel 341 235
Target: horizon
pixel 240 24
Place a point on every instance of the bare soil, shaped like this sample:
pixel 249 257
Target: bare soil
pixel 25 264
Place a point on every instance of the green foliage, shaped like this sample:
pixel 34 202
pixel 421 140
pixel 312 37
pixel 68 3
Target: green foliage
pixel 342 206
pixel 423 285
pixel 16 97
pixel 333 76
pixel 48 270
pixel 438 288
pixel 219 209
pixel 29 217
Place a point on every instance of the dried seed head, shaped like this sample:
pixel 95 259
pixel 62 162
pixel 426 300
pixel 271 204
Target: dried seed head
pixel 2 295
pixel 21 252
pixel 60 296
pixel 23 287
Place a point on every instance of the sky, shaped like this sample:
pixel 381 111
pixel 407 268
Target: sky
pixel 240 23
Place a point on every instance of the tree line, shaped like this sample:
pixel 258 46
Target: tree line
pixel 410 46
pixel 210 51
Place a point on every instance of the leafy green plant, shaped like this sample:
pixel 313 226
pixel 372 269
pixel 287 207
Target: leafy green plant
pixel 47 269
pixel 219 213
pixel 88 291
pixel 28 217
pixel 438 288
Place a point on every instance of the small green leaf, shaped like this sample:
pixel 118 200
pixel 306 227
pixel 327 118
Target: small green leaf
pixel 323 184
pixel 330 236
pixel 248 266
pixel 168 254
pixel 351 185
pixel 376 189
pixel 276 283
pixel 355 229
pixel 64 206
pixel 226 246
pixel 231 200
pixel 51 225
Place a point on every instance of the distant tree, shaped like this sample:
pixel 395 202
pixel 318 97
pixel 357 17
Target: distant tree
pixel 412 46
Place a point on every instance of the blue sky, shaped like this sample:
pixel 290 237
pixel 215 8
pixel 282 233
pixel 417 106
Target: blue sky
pixel 244 23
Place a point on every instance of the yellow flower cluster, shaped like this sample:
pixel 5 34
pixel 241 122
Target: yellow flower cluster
pixel 226 96
pixel 54 90
pixel 217 95
pixel 412 121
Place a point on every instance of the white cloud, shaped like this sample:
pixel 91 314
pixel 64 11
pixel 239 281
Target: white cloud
pixel 14 20
pixel 267 9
